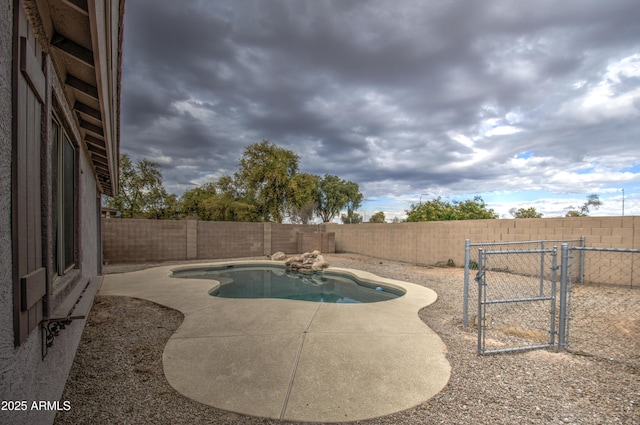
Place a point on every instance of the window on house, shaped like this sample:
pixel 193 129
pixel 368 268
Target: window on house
pixel 63 190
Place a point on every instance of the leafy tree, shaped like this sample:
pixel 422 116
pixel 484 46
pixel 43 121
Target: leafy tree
pixel 141 191
pixel 475 209
pixel 304 192
pixel 264 175
pixel 219 201
pixel 194 202
pixel 354 200
pixel 593 201
pixel 162 205
pixel 530 212
pixel 227 186
pixel 377 217
pixel 225 208
pixel 232 204
pixel 439 210
pixel 434 210
pixel 351 217
pixel 334 194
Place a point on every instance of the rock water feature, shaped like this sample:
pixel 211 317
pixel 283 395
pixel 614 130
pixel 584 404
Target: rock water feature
pixel 308 262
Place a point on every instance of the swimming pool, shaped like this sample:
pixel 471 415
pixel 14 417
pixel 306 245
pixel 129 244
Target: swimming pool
pixel 274 281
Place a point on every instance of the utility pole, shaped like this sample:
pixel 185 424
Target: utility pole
pixel 623 201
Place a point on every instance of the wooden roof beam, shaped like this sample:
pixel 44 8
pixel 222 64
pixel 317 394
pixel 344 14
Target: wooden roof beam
pixel 102 171
pixel 100 160
pixel 97 150
pixel 95 141
pixel 73 49
pixel 79 5
pixel 87 110
pixel 80 85
pixel 92 128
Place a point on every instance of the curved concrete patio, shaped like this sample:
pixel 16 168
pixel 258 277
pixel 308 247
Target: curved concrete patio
pixel 295 360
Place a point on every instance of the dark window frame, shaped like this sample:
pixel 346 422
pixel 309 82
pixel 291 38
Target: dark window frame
pixel 64 206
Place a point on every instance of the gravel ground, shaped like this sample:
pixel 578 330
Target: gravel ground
pixel 117 375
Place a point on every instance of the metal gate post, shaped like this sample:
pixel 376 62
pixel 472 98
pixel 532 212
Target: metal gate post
pixel 562 327
pixel 482 294
pixel 582 260
pixel 465 302
pixel 542 268
pixel 554 279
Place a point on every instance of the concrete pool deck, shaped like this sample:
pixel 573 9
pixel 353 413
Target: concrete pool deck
pixel 295 360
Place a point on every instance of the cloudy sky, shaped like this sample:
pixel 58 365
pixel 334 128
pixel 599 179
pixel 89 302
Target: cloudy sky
pixel 524 103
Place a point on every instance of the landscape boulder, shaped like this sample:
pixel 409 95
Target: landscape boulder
pixel 307 262
pixel 278 256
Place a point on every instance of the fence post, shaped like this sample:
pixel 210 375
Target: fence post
pixel 481 293
pixel 562 326
pixel 582 260
pixel 541 268
pixel 465 302
pixel 554 280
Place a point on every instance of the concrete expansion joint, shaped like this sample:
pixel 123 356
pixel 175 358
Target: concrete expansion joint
pixel 293 376
pixel 306 329
pixel 296 362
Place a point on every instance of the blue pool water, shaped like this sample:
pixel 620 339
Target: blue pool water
pixel 278 282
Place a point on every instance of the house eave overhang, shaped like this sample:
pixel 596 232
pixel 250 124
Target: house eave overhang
pixel 86 47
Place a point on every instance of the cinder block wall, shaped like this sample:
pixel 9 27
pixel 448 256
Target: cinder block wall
pixel 230 239
pixel 323 241
pixel 140 240
pixel 428 243
pixel 284 237
pixel 131 240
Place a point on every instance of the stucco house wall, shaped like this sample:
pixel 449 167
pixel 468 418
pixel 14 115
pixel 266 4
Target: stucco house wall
pixel 6 305
pixel 29 371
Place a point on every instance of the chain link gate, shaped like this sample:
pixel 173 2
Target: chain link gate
pixel 602 296
pixel 516 300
